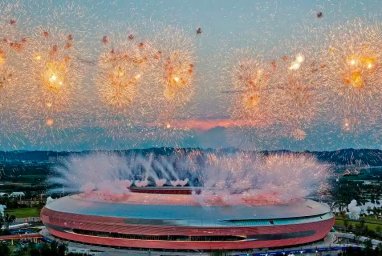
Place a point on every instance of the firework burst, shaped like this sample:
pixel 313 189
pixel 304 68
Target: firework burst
pixel 169 86
pixel 353 73
pixel 54 72
pixel 297 99
pixel 281 93
pixel 123 66
pixel 178 73
pixel 12 45
pixel 49 76
pixel 176 68
pixel 251 78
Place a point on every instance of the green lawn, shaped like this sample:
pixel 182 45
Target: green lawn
pixel 371 223
pixel 24 212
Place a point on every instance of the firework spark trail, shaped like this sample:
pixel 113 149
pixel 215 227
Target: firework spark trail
pixel 297 100
pixel 252 76
pixel 135 74
pixel 123 66
pixel 169 87
pixel 334 83
pixel 353 73
pixel 281 91
pixel 13 44
pixel 172 82
pixel 54 75
pixel 47 75
pixel 176 73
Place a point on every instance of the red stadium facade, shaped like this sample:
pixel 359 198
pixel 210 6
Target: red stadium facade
pixel 179 222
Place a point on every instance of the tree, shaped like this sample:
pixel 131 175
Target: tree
pixel 5 221
pixel 8 220
pixel 368 247
pixel 346 222
pixel 217 253
pixel 379 249
pixel 1 222
pixel 343 192
pixel 34 252
pixel 61 250
pixel 4 249
pixel 45 250
pixel 54 249
pixel 350 228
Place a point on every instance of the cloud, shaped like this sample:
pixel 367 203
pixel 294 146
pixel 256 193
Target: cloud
pixel 209 124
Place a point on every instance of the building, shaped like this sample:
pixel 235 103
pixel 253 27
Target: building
pixel 171 219
pixel 17 194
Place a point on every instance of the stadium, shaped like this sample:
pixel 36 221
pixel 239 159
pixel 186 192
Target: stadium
pixel 174 219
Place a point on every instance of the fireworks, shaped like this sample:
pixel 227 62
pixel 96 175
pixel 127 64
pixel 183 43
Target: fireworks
pixel 11 45
pixel 57 72
pixel 297 98
pixel 145 72
pixel 168 88
pixel 6 74
pixel 296 64
pixel 178 73
pixel 175 71
pixel 144 81
pixel 281 91
pixel 50 84
pixel 353 72
pixel 122 69
pixel 251 79
pixel 54 75
pixel 250 76
pixel 54 71
pixel 296 91
pixel 2 57
pixel 41 75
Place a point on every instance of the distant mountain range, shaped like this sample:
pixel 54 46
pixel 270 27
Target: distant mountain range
pixel 361 157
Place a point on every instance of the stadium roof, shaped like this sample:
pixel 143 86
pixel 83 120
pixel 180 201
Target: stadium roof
pixel 176 209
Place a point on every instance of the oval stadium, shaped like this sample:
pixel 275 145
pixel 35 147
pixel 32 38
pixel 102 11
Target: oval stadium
pixel 174 219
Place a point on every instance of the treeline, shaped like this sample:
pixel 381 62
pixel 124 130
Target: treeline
pixel 368 250
pixel 36 249
pixel 369 157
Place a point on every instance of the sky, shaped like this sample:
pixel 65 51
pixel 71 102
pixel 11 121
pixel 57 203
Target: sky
pixel 229 28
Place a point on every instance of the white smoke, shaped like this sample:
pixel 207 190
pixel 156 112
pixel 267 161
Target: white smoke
pixel 141 183
pixel 49 200
pixel 103 172
pixel 179 182
pixel 354 211
pixel 2 209
pixel 112 174
pixel 264 179
pixel 240 177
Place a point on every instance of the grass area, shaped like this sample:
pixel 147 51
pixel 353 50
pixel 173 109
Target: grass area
pixel 371 223
pixel 24 212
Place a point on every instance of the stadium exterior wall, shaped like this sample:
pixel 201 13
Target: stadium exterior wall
pixel 118 232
